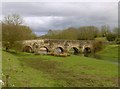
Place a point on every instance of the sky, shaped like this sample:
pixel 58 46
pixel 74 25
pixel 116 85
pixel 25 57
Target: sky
pixel 42 16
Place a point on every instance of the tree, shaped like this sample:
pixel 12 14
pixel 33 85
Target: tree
pixel 13 30
pixel 105 30
pixel 87 32
pixel 69 33
pixel 13 20
pixel 116 31
pixel 0 32
pixel 111 37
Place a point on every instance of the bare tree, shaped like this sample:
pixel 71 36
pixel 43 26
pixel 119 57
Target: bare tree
pixel 13 19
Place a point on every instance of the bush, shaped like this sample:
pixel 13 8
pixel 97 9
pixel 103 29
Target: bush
pixel 97 46
pixel 18 46
pixel 111 37
pixel 117 40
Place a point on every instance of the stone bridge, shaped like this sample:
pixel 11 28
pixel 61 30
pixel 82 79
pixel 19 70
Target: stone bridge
pixel 57 46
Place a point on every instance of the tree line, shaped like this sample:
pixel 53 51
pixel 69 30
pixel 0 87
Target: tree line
pixel 84 33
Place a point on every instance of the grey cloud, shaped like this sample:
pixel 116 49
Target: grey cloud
pixel 69 22
pixel 73 14
pixel 58 9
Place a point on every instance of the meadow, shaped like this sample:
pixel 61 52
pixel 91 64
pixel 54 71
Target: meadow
pixel 29 70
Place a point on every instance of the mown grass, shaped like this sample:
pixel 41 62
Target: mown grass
pixel 49 71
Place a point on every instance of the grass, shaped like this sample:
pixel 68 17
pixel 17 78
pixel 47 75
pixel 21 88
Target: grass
pixel 109 53
pixel 31 70
pixel 103 39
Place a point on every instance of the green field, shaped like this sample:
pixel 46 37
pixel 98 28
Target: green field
pixel 29 70
pixel 109 53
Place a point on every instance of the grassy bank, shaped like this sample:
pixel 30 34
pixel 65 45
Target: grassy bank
pixel 109 53
pixel 32 70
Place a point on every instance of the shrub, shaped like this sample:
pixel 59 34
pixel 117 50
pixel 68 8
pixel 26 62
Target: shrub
pixel 97 46
pixel 18 46
pixel 117 40
pixel 111 37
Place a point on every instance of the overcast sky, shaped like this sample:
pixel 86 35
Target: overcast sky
pixel 42 16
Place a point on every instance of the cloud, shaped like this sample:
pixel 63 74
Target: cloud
pixel 42 16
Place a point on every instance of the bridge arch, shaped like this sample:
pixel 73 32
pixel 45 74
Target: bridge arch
pixel 74 50
pixel 59 50
pixel 86 51
pixel 27 49
pixel 44 48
